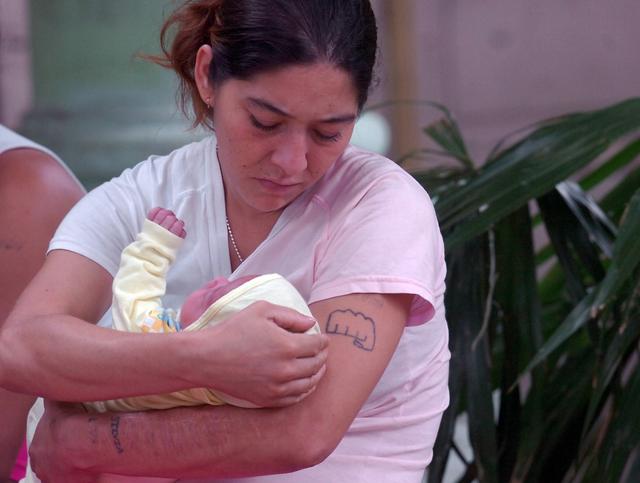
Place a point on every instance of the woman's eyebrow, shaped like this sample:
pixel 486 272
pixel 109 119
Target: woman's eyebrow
pixel 340 119
pixel 268 106
pixel 345 118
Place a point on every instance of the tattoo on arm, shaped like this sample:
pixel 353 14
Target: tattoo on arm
pixel 358 326
pixel 115 429
pixel 93 429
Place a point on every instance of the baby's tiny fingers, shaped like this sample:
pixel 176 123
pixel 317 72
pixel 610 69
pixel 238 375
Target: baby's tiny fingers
pixel 177 228
pixel 168 221
pixel 153 212
pixel 161 215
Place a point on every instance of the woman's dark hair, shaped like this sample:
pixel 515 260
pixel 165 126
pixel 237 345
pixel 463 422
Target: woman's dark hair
pixel 249 37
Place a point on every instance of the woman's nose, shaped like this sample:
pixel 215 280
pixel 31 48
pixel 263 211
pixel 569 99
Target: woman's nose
pixel 290 154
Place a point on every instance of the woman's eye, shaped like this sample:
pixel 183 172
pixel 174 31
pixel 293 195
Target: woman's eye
pixel 328 137
pixel 261 126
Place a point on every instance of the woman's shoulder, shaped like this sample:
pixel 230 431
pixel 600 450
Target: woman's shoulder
pixel 172 181
pixel 188 164
pixel 360 175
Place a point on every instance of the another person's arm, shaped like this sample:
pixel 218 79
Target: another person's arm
pixel 35 194
pixel 227 441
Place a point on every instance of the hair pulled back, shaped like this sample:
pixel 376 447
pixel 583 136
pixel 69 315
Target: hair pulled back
pixel 249 37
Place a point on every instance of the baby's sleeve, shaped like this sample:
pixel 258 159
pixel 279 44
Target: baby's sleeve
pixel 140 282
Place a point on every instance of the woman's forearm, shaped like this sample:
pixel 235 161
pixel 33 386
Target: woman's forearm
pixel 232 442
pixel 48 348
pixel 185 442
pixel 64 358
pixel 256 355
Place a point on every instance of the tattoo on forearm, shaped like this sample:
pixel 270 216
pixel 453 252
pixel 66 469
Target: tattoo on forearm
pixel 358 326
pixel 93 429
pixel 115 429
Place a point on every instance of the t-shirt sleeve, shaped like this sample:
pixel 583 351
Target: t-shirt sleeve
pixel 108 218
pixel 386 240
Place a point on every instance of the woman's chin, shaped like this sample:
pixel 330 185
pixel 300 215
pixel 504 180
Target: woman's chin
pixel 272 204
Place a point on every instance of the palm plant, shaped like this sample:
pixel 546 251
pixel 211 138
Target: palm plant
pixel 552 330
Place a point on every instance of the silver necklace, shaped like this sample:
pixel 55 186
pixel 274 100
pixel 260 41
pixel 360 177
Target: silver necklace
pixel 233 241
pixel 231 237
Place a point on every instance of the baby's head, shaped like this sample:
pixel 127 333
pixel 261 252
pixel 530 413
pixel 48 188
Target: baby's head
pixel 200 300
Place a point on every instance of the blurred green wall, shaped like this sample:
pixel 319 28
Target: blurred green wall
pixel 97 105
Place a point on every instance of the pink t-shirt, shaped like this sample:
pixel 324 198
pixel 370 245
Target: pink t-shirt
pixel 366 226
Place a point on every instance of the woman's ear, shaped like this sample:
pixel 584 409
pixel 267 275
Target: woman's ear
pixel 201 74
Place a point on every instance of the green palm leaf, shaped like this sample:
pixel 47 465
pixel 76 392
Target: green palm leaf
pixel 532 167
pixel 554 425
pixel 626 258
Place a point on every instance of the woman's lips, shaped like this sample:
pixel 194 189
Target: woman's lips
pixel 275 187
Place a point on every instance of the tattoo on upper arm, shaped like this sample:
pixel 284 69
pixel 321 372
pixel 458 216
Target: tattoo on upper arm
pixel 115 429
pixel 358 326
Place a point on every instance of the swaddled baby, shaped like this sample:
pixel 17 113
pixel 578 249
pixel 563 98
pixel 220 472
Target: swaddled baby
pixel 138 288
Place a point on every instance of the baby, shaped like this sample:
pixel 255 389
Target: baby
pixel 140 284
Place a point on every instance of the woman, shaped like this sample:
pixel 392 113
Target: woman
pixel 29 222
pixel 277 190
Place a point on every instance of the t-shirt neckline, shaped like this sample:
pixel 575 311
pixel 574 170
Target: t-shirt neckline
pixel 289 213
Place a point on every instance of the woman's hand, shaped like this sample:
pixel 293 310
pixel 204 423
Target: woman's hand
pixel 263 356
pixel 50 455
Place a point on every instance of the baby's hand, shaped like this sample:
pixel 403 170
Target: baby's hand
pixel 168 220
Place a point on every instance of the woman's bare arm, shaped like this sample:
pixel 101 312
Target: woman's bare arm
pixel 56 354
pixel 228 441
pixel 35 194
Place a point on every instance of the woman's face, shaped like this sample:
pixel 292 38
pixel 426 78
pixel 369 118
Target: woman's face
pixel 280 131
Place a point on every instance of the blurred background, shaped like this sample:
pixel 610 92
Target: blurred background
pixel 70 77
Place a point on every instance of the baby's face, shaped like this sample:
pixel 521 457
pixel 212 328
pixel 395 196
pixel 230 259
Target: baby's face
pixel 196 303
